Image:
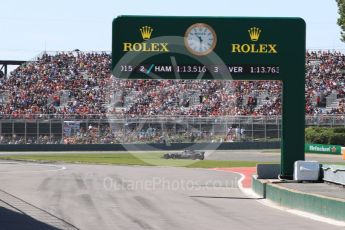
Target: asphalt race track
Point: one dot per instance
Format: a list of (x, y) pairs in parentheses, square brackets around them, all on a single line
[(129, 197), (265, 156)]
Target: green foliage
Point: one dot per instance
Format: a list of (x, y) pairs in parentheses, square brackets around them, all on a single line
[(322, 135), (337, 139), (341, 19), (339, 130)]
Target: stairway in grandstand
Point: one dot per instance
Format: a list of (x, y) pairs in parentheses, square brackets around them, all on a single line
[(64, 97), (333, 105), (131, 98), (192, 96), (332, 102), (4, 97), (260, 95)]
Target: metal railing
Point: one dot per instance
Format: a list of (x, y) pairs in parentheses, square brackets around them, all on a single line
[(315, 120), (102, 129), (154, 129)]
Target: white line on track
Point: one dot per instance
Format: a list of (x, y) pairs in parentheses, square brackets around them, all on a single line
[(57, 167)]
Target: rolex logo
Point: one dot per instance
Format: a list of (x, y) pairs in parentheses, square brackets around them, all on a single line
[(254, 33), (146, 46), (259, 48), (146, 32)]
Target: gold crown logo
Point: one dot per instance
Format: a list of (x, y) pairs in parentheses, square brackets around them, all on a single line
[(146, 32), (254, 33)]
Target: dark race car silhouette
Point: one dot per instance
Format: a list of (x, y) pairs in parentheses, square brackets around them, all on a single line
[(185, 154)]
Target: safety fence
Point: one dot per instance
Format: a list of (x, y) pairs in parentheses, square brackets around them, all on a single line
[(102, 129)]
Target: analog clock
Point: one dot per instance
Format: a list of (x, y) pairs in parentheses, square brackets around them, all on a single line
[(200, 39)]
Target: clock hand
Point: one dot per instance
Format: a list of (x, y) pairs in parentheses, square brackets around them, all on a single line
[(200, 39)]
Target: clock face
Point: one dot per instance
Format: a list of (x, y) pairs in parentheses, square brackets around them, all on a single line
[(200, 39)]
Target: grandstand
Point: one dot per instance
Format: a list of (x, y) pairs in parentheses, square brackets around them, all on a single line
[(71, 97)]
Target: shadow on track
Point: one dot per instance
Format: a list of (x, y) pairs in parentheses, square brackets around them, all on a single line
[(12, 220)]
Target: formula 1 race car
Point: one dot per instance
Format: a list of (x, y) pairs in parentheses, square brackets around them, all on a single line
[(185, 154)]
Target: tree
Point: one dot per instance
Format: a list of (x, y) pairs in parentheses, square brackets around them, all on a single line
[(341, 19)]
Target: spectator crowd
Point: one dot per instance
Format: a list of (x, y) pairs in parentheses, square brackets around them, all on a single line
[(80, 85)]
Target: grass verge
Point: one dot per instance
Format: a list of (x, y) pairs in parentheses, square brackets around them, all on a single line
[(143, 159)]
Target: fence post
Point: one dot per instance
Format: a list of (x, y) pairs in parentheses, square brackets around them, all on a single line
[(265, 130), (25, 130), (124, 131), (278, 124), (12, 133), (50, 130), (62, 132), (252, 129), (37, 131), (99, 131)]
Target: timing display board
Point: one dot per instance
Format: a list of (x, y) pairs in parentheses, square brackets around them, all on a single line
[(248, 48), (165, 71), (225, 48)]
